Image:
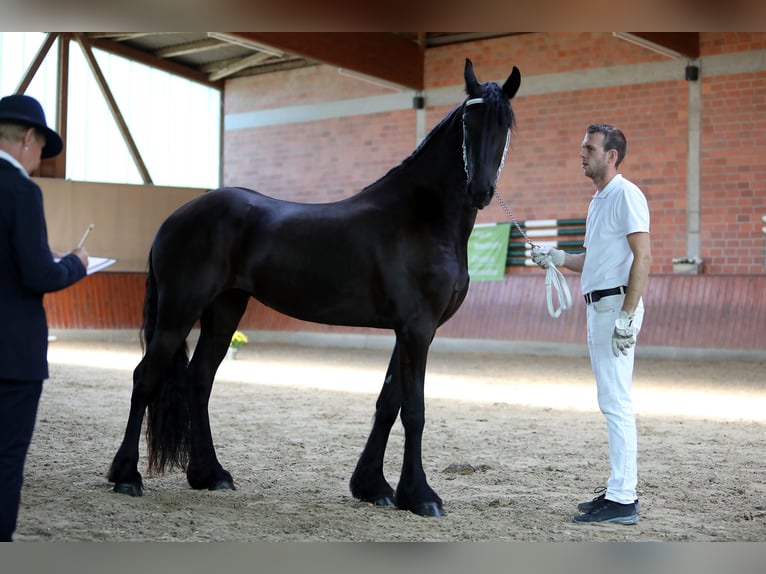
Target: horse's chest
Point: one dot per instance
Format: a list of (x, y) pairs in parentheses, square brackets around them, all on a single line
[(452, 276)]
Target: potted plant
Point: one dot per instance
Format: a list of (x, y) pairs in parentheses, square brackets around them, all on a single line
[(688, 265), (238, 340)]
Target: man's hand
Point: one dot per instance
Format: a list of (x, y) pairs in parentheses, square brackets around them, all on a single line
[(624, 335), (544, 256)]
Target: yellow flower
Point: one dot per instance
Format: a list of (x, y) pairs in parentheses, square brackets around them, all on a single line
[(238, 340)]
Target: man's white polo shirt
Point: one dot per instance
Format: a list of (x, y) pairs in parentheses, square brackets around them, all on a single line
[(614, 213)]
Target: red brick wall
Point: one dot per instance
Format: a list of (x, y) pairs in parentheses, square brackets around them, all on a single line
[(534, 54), (318, 161), (543, 177), (733, 178)]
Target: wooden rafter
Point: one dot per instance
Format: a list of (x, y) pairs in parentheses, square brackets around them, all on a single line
[(154, 61), (385, 56), (36, 63)]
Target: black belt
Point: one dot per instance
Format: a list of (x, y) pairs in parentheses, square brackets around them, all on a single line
[(594, 296)]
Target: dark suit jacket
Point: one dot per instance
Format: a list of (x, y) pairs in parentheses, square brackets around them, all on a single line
[(27, 272)]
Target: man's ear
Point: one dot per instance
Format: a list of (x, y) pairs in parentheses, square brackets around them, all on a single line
[(30, 136)]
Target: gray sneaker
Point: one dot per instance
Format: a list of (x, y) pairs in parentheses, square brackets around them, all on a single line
[(609, 511), (591, 504)]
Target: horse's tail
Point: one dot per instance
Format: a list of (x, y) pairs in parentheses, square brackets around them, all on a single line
[(150, 306), (168, 428)]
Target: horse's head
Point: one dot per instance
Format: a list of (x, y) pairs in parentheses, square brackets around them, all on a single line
[(487, 124)]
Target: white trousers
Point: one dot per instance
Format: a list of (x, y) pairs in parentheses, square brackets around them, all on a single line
[(614, 379)]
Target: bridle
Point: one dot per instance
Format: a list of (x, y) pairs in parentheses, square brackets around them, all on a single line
[(471, 102), (554, 279)]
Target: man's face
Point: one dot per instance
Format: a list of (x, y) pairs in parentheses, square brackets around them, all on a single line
[(593, 156)]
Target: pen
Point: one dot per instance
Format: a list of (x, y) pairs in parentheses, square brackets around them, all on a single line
[(84, 235)]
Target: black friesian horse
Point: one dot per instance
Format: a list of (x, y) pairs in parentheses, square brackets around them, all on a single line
[(393, 256)]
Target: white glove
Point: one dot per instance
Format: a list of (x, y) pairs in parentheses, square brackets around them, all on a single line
[(624, 334), (544, 256)]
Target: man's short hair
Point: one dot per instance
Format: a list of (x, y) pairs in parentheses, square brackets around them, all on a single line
[(613, 139)]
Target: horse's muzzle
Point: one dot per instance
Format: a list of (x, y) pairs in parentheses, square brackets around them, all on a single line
[(480, 200)]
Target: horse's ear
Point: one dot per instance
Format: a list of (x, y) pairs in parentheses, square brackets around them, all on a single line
[(472, 86), (511, 85)]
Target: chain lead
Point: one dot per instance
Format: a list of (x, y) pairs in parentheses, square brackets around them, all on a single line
[(513, 219)]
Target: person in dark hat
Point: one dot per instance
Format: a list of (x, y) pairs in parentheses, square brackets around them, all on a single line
[(28, 270)]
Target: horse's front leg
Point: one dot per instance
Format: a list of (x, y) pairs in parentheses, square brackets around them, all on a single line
[(368, 482), (413, 492)]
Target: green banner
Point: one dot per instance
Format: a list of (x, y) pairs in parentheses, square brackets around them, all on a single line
[(488, 251)]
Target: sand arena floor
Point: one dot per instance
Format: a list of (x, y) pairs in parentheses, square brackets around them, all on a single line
[(512, 443)]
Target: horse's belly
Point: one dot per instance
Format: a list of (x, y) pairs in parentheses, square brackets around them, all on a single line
[(312, 303)]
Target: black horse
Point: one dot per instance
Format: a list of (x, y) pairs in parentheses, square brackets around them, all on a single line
[(393, 256)]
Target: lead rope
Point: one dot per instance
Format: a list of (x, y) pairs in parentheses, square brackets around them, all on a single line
[(554, 279)]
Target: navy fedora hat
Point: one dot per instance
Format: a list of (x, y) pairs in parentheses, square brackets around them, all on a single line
[(27, 111)]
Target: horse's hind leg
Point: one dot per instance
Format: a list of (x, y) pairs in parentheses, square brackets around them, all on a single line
[(217, 325), (146, 377), (368, 482), (124, 470)]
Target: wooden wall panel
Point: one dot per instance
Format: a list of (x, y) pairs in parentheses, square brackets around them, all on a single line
[(100, 301), (686, 311)]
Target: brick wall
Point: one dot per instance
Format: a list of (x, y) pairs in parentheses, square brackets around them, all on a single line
[(733, 179), (318, 161)]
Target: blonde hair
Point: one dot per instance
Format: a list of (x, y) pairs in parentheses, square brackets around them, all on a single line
[(12, 132)]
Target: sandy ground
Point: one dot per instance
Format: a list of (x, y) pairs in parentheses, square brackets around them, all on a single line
[(512, 444)]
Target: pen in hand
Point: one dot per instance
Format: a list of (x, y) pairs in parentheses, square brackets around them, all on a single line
[(85, 235)]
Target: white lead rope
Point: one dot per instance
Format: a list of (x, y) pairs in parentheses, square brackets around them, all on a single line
[(554, 279)]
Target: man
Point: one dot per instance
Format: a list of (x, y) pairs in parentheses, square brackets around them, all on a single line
[(27, 271), (615, 268)]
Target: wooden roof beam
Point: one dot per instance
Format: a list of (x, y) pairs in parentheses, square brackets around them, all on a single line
[(383, 56), (148, 59), (672, 44)]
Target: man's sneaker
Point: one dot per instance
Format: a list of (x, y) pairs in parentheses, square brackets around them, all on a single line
[(609, 511), (591, 504)]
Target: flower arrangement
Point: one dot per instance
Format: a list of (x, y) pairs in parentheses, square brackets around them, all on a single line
[(238, 340)]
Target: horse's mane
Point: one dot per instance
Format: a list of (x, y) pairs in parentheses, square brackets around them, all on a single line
[(499, 110)]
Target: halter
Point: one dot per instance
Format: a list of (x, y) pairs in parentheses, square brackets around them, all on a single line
[(471, 102)]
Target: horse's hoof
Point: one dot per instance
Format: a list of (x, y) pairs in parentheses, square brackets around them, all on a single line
[(385, 501), (223, 485), (127, 488), (430, 509)]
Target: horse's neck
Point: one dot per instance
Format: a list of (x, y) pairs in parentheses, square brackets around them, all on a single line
[(436, 167), (440, 155), (432, 179)]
